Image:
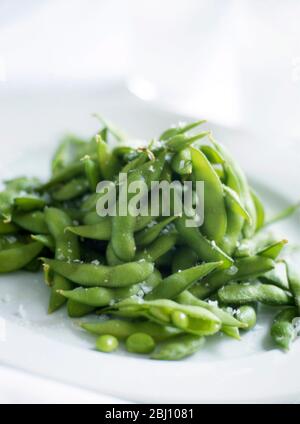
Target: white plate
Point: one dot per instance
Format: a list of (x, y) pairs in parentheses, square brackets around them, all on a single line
[(53, 346)]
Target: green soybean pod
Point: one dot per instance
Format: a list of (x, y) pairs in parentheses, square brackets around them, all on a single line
[(247, 315), (235, 221), (178, 347), (123, 226), (73, 170), (230, 331), (212, 155), (206, 250), (29, 203), (184, 258), (182, 141), (158, 248), (283, 330), (198, 320), (260, 210), (78, 310), (95, 275), (149, 234), (111, 258), (274, 250), (249, 228), (99, 296), (251, 246), (176, 283), (140, 343), (180, 129), (99, 231), (182, 162), (56, 299), (243, 293), (108, 162), (242, 269), (45, 239), (135, 163), (123, 329), (234, 203), (110, 128), (166, 174), (18, 257), (72, 189), (294, 282), (227, 319), (215, 222), (7, 227), (92, 172), (34, 222), (277, 276), (66, 248)]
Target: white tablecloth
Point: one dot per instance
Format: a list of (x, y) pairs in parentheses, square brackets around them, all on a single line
[(17, 387)]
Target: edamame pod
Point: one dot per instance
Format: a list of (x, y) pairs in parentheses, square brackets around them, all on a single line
[(243, 293), (274, 250), (294, 282), (283, 330), (34, 222), (7, 227), (18, 257), (100, 296), (215, 222), (158, 248), (178, 347), (180, 129), (182, 141), (74, 188), (29, 203), (182, 162), (108, 162), (78, 310), (66, 248), (277, 276), (149, 234), (206, 250), (242, 269), (247, 315), (184, 258), (227, 319), (176, 283), (123, 329), (93, 275), (196, 320)]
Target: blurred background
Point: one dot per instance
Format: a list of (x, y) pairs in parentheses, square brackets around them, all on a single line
[(236, 62)]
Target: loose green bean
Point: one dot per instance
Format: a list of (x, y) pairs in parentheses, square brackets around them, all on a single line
[(140, 343)]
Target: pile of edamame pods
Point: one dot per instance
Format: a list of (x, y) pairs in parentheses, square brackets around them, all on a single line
[(151, 282)]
